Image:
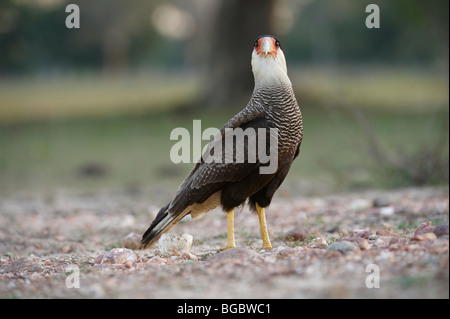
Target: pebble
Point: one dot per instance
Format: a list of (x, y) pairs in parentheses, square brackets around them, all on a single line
[(364, 244), (361, 233), (426, 236), (287, 251), (360, 204), (131, 241), (381, 242), (188, 256), (157, 260), (343, 247), (424, 228), (117, 256), (298, 233), (68, 248), (36, 268), (279, 249), (318, 242), (441, 230), (381, 202), (387, 211), (171, 244), (384, 232)]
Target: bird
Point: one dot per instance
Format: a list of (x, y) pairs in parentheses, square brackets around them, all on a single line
[(211, 184)]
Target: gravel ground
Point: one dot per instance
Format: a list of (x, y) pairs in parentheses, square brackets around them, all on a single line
[(375, 244)]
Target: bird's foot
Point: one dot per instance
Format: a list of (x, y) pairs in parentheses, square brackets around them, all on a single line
[(228, 246)]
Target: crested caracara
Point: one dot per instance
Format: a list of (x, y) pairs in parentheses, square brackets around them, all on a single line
[(272, 108)]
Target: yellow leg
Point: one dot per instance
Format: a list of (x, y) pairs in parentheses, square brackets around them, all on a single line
[(230, 220), (263, 224)]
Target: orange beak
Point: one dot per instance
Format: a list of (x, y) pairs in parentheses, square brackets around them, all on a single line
[(266, 46)]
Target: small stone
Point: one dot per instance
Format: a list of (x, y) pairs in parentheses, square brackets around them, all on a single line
[(279, 249), (318, 242), (381, 241), (441, 230), (174, 245), (381, 202), (131, 241), (343, 232), (116, 256), (189, 256), (36, 268), (387, 211), (68, 249), (298, 233), (364, 244), (343, 247), (426, 236), (414, 247), (424, 228), (287, 251), (360, 204), (99, 258), (361, 233), (157, 260), (384, 232)]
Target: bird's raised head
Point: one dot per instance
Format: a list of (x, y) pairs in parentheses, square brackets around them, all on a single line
[(268, 61), (266, 45)]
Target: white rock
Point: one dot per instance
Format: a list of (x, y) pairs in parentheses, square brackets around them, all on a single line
[(174, 245), (360, 203), (280, 249), (387, 211), (117, 256)]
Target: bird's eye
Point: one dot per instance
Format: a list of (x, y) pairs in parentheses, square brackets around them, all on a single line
[(277, 43), (256, 44)]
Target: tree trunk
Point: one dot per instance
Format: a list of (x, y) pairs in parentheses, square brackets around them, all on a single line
[(229, 80)]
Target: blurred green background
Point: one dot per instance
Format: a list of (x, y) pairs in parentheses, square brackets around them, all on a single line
[(92, 108)]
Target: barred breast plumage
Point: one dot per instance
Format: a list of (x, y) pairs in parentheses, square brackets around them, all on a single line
[(282, 111)]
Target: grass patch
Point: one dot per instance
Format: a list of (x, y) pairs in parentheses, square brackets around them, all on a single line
[(134, 150), (90, 95), (391, 89)]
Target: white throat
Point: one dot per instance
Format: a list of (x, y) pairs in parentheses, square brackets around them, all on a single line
[(270, 70)]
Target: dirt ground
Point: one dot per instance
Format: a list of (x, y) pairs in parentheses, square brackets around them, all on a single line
[(377, 244)]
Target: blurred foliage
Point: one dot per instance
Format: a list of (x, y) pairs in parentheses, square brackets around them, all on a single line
[(114, 34), (118, 34), (411, 31)]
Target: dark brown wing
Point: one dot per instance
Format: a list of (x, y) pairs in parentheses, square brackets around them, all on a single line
[(208, 178)]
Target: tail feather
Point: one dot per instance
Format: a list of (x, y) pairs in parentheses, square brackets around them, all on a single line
[(162, 223)]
